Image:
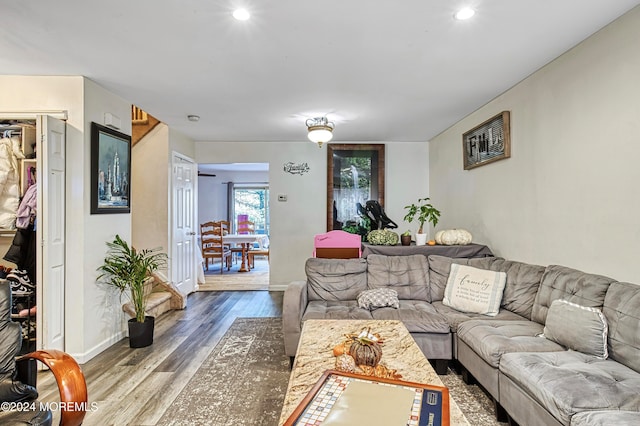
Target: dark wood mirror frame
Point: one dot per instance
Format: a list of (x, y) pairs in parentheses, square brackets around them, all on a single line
[(338, 152)]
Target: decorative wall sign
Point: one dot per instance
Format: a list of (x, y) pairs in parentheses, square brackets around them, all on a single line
[(110, 170), (296, 169), (488, 142)]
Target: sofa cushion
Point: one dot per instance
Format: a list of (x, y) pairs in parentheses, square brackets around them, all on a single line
[(622, 310), (474, 290), (523, 281), (330, 309), (418, 316), (577, 327), (606, 418), (491, 339), (439, 268), (378, 298), (408, 275), (560, 282), (455, 317), (335, 279), (568, 382)]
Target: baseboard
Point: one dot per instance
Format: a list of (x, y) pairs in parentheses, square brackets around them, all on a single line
[(100, 347), (278, 287)]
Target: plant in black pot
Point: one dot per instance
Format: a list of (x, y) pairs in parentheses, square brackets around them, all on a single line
[(127, 269)]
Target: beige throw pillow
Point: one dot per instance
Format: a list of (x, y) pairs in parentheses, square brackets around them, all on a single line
[(474, 290)]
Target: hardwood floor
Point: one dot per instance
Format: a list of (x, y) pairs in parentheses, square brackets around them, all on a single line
[(135, 386)]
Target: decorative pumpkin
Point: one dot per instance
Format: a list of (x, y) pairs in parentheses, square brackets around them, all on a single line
[(366, 349), (383, 237), (340, 349), (346, 363), (450, 237)]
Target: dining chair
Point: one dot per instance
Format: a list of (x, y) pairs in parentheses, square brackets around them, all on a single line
[(337, 244), (212, 243), (244, 227), (262, 250)]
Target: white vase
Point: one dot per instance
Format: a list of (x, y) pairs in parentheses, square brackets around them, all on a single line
[(421, 239)]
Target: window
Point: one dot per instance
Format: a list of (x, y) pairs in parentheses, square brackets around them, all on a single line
[(252, 201)]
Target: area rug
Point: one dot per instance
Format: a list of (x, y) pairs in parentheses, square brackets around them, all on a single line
[(256, 279), (242, 382), (245, 378)]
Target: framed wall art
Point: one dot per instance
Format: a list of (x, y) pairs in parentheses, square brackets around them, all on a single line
[(487, 142), (355, 174), (110, 170)]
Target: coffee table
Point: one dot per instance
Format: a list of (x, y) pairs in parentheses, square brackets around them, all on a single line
[(400, 352)]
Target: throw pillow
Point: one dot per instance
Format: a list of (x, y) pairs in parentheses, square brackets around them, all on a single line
[(378, 298), (474, 290), (577, 327)]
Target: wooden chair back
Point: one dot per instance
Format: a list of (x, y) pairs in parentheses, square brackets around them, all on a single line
[(212, 242), (246, 227)]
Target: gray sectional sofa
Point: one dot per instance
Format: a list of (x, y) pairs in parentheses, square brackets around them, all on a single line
[(541, 357)]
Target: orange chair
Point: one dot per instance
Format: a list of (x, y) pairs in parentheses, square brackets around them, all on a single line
[(337, 245)]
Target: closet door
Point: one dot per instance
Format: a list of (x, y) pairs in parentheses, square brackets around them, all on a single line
[(51, 232)]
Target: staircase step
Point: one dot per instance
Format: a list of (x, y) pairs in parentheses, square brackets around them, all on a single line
[(158, 303)]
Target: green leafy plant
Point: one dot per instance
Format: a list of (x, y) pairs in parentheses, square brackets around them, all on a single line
[(126, 269), (425, 212), (407, 233), (361, 228)]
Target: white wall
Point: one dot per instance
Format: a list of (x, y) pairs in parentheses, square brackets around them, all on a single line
[(90, 326), (150, 190), (569, 193), (303, 215), (212, 192), (101, 307)]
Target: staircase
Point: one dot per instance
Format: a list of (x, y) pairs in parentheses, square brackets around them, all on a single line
[(163, 297), (141, 124)]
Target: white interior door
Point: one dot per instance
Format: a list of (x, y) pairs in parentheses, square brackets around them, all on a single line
[(50, 231), (183, 255)]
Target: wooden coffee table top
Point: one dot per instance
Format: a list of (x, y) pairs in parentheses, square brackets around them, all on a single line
[(400, 352)]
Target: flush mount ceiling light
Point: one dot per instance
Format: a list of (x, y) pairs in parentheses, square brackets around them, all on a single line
[(465, 13), (241, 14), (320, 130), (192, 117)]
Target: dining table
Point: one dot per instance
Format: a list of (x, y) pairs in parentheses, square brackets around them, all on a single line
[(244, 240)]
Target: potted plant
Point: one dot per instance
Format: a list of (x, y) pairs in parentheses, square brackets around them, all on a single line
[(425, 212), (127, 269), (405, 238)]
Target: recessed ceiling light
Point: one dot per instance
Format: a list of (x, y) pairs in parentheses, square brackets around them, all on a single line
[(465, 13), (241, 14)]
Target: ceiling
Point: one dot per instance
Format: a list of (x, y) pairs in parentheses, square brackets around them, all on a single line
[(381, 70)]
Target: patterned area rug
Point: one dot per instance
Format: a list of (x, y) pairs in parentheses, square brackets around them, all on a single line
[(244, 380)]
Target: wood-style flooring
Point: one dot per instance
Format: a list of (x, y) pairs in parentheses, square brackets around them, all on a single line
[(136, 386)]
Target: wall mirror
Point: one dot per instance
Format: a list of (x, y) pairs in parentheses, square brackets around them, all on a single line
[(355, 174)]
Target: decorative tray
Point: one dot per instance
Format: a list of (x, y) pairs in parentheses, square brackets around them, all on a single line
[(340, 398)]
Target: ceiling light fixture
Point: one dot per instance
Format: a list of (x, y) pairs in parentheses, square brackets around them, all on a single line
[(465, 13), (192, 117), (241, 14), (320, 130)]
